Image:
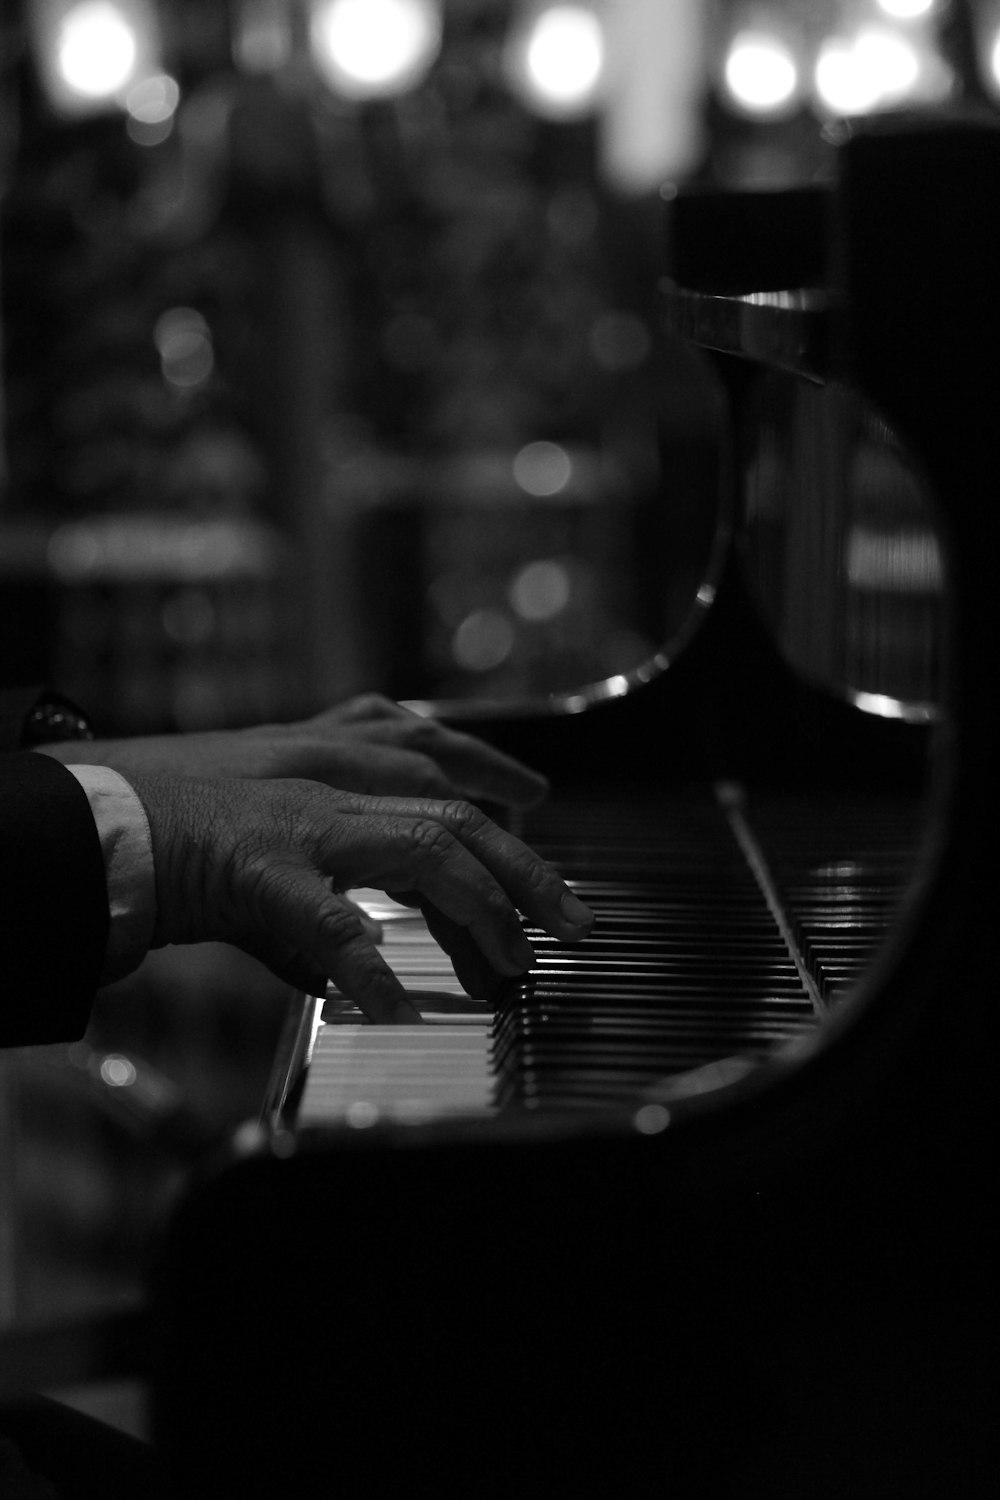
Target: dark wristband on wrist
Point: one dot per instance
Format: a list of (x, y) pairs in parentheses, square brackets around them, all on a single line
[(54, 718)]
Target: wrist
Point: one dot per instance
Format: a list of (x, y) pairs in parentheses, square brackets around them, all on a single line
[(179, 813)]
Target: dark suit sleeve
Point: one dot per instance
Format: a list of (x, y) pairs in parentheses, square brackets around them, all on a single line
[(15, 705), (53, 902)]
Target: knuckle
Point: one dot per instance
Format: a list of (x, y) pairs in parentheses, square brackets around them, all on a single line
[(430, 839), (339, 926), (371, 706), (251, 866), (462, 817), (538, 873)]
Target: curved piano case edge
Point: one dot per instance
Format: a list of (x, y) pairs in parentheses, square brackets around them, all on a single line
[(794, 1260)]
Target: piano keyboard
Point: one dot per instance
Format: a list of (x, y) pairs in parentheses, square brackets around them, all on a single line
[(361, 1073), (717, 936)]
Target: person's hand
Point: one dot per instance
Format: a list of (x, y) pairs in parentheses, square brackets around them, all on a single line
[(367, 744), (264, 865)]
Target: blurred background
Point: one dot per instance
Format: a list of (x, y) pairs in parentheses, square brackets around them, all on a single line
[(331, 363)]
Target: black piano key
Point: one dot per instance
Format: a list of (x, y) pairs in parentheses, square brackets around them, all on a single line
[(691, 958)]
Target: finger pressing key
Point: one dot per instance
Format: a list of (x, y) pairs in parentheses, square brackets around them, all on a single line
[(534, 886), (333, 934), (472, 870)]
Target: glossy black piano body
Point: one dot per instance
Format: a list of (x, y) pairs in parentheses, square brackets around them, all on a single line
[(784, 1286)]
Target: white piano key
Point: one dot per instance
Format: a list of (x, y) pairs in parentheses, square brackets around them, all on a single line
[(397, 1072), (360, 1073)]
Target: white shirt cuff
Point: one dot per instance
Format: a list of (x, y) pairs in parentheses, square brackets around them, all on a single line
[(127, 845)]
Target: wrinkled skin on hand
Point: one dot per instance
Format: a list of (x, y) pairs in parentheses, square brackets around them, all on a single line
[(264, 865), (367, 744)]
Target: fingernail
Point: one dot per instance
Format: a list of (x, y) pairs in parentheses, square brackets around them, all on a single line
[(575, 913)]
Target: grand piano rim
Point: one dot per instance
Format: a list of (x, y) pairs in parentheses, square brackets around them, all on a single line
[(875, 1037)]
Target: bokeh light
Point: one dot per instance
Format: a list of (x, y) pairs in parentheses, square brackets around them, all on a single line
[(483, 641), (995, 60), (184, 343), (760, 73), (540, 590), (91, 54), (906, 10), (96, 50), (117, 1071), (875, 67), (542, 468), (555, 60), (370, 49), (151, 105), (153, 100)]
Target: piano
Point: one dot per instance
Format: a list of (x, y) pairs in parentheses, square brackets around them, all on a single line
[(705, 1204)]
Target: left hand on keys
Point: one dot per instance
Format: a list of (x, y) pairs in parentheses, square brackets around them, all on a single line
[(367, 744)]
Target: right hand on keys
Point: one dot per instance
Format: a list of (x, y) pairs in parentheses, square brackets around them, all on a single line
[(264, 865)]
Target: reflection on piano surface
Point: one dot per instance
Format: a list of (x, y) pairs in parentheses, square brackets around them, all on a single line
[(852, 584), (716, 1217)]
